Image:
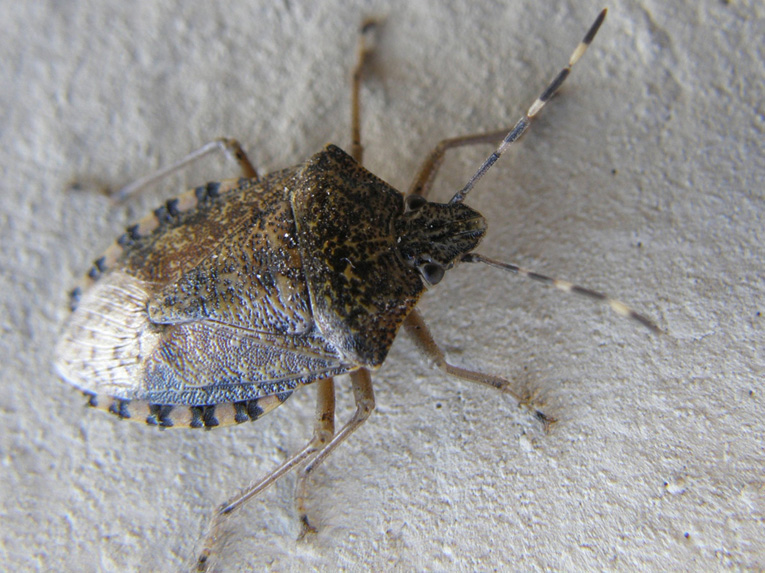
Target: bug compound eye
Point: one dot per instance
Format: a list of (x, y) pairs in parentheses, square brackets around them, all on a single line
[(414, 202), (432, 273)]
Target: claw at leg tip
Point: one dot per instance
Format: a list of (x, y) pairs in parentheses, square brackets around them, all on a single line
[(305, 527), (547, 421)]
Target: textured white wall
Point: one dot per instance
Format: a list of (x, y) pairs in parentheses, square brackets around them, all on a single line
[(644, 179)]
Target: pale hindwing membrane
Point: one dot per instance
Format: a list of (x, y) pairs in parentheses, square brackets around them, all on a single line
[(104, 347)]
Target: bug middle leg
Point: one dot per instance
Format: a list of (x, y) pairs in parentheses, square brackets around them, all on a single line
[(415, 325), (366, 31), (364, 396), (230, 147)]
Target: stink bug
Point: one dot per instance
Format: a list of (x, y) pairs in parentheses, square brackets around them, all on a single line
[(214, 308)]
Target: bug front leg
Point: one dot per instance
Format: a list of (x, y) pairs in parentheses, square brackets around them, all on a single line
[(323, 431), (364, 395), (230, 147), (423, 182), (416, 326)]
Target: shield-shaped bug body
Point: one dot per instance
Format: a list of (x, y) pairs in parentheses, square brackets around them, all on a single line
[(238, 292), (214, 308)]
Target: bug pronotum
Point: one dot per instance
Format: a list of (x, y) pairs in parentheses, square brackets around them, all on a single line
[(215, 307)]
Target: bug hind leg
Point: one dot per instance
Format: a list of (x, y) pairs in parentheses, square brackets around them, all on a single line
[(364, 397), (323, 432), (230, 147)]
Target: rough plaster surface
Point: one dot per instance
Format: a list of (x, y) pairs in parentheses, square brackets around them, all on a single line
[(645, 179)]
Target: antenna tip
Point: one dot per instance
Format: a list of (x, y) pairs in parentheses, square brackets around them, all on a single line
[(595, 27)]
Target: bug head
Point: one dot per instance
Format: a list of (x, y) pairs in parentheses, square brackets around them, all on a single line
[(431, 236)]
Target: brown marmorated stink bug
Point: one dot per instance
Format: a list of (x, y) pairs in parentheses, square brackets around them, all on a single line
[(214, 308)]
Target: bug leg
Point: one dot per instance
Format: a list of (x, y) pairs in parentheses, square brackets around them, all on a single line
[(364, 395), (365, 46), (423, 182), (323, 432), (415, 325), (230, 147)]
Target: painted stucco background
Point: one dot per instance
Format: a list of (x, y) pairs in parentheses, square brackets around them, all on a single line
[(645, 179)]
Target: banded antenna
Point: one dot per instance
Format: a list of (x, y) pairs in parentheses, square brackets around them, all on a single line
[(525, 122)]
